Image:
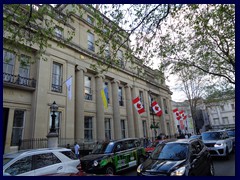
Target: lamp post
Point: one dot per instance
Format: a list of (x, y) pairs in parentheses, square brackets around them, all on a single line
[(53, 108), (53, 135), (153, 126)]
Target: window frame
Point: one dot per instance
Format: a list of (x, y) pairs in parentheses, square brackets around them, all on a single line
[(91, 41), (57, 87), (88, 95), (88, 130), (16, 127)]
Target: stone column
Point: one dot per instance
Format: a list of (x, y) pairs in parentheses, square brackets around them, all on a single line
[(130, 118), (136, 116), (79, 102), (116, 111), (99, 108), (163, 119)]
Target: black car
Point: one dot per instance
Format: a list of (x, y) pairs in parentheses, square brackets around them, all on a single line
[(183, 157), (114, 156)]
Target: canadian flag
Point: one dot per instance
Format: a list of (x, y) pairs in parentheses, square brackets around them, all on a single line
[(156, 108), (177, 114), (182, 115), (138, 105)]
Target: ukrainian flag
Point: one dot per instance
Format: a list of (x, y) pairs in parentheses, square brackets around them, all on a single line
[(104, 94)]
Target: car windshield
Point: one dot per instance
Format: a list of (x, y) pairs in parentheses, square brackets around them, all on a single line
[(172, 151), (6, 160), (103, 148), (231, 133), (212, 136)]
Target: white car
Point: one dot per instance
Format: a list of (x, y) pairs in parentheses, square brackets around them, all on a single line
[(218, 143), (38, 162)]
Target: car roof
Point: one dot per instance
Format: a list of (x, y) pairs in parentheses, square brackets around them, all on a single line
[(33, 151), (125, 139), (183, 141)]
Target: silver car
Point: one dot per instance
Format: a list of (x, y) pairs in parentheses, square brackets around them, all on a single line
[(38, 162)]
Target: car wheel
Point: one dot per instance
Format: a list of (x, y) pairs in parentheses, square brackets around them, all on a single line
[(109, 170), (227, 154), (211, 170)]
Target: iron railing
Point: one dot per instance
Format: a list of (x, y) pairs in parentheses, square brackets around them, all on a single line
[(19, 80)]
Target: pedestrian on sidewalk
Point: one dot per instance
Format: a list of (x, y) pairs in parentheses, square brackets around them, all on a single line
[(77, 149)]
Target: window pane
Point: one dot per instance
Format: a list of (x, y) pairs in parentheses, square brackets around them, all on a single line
[(21, 166), (57, 77), (43, 160), (17, 127)]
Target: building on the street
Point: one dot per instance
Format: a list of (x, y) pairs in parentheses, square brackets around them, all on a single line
[(29, 91), (221, 114), (188, 127)]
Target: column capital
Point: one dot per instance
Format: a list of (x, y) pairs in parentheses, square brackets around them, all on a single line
[(79, 68), (115, 81), (100, 76), (128, 86)]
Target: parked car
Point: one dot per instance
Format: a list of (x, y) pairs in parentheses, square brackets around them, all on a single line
[(183, 157), (114, 156), (231, 134), (218, 143), (195, 137), (37, 162), (149, 149)]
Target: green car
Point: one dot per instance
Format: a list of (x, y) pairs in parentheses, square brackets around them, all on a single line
[(114, 156)]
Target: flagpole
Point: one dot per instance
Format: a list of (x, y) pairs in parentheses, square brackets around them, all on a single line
[(66, 80)]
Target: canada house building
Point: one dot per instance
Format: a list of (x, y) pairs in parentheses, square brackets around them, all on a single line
[(29, 91)]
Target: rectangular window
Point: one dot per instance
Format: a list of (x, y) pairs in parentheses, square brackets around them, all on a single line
[(120, 96), (144, 124), (107, 129), (90, 20), (107, 51), (8, 66), (141, 97), (88, 90), (123, 130), (57, 122), (91, 42), (58, 32), (88, 128), (24, 70), (120, 58), (233, 107), (216, 121), (57, 77), (17, 129), (165, 106), (225, 120), (105, 85), (222, 108)]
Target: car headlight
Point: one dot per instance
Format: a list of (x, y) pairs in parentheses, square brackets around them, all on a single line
[(140, 167), (95, 163), (179, 172), (218, 144)]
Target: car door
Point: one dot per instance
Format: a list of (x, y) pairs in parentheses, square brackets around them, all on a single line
[(196, 160), (46, 164)]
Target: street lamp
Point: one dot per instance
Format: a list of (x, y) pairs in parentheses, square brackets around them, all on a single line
[(152, 125), (53, 108)]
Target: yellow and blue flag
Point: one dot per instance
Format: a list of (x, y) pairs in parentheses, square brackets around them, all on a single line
[(104, 94)]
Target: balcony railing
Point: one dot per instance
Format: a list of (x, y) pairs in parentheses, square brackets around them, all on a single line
[(19, 80)]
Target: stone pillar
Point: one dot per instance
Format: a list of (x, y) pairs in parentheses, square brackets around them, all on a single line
[(136, 116), (163, 119), (116, 111), (52, 140), (100, 109), (79, 103), (130, 118)]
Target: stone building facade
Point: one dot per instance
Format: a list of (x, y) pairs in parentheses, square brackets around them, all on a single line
[(28, 92)]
